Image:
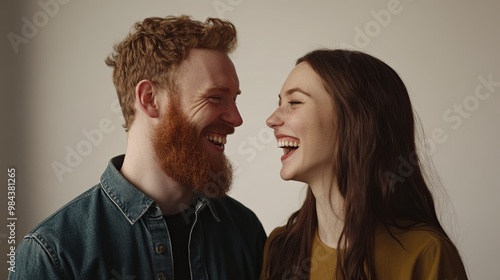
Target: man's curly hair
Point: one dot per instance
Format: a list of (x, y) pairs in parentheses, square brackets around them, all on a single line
[(154, 48)]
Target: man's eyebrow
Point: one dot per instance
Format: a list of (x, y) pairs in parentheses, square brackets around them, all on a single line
[(223, 89)]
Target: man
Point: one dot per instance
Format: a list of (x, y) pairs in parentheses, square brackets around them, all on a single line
[(160, 211)]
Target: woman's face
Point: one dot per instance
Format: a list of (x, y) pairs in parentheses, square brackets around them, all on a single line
[(303, 125)]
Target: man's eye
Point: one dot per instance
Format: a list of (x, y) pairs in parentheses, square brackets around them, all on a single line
[(215, 98), (294, 102)]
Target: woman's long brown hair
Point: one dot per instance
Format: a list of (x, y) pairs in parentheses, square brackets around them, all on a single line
[(378, 170)]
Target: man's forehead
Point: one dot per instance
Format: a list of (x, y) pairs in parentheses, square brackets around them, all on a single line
[(210, 69)]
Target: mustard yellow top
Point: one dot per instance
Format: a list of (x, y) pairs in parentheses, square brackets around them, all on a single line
[(426, 255)]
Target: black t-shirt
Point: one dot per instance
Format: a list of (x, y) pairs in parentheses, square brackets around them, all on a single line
[(179, 227)]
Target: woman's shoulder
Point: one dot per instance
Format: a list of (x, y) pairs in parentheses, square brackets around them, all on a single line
[(415, 239), (417, 250), (418, 235)]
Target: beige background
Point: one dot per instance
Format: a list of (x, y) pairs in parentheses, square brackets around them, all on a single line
[(56, 88)]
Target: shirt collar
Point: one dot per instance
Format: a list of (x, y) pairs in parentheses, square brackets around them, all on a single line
[(132, 202)]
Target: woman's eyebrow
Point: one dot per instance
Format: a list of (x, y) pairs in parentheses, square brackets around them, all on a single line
[(296, 89)]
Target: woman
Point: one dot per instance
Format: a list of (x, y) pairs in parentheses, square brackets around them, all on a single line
[(346, 126)]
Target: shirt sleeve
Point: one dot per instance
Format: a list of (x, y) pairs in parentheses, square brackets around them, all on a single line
[(33, 261), (441, 261)]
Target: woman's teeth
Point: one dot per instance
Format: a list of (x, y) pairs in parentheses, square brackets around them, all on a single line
[(288, 144)]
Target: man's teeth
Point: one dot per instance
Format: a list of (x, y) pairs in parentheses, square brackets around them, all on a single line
[(282, 144), (217, 139)]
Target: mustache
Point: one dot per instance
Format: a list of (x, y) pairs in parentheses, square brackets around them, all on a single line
[(220, 129)]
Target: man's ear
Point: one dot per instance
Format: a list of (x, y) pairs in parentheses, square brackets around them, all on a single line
[(146, 97)]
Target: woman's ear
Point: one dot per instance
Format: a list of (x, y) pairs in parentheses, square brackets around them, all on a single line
[(146, 97)]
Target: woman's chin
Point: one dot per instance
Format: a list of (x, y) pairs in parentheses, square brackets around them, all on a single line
[(286, 175)]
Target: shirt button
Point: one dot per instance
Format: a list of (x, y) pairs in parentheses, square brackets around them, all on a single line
[(160, 249), (161, 276)]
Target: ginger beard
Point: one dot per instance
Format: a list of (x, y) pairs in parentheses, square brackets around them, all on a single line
[(179, 150)]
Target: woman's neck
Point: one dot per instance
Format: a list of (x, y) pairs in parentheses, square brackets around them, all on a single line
[(330, 212)]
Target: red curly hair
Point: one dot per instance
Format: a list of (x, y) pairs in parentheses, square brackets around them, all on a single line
[(154, 48)]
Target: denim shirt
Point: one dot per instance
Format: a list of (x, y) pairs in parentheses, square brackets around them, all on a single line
[(114, 231)]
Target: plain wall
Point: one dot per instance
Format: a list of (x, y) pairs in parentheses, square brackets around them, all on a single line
[(57, 89)]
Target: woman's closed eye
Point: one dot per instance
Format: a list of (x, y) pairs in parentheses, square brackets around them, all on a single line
[(291, 103)]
